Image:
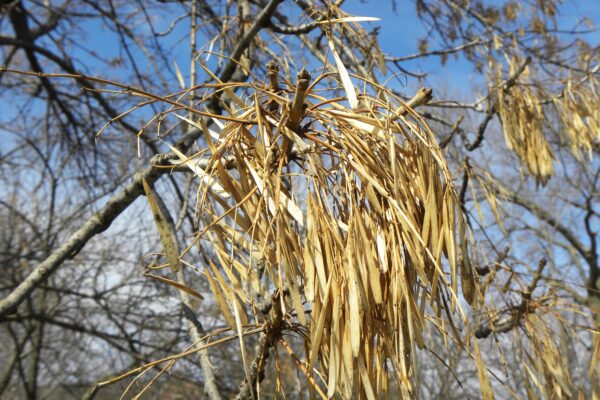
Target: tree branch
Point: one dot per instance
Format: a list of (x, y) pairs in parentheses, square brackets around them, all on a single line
[(542, 214), (513, 315), (98, 223), (116, 205), (261, 21), (163, 217), (270, 335)]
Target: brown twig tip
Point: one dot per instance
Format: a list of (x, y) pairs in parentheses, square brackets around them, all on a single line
[(422, 97), (272, 67), (425, 93), (273, 75), (303, 78), (297, 109)]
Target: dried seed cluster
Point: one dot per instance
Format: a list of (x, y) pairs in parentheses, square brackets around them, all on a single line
[(358, 226)]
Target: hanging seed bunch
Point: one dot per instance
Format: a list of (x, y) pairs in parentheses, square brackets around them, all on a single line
[(523, 121), (340, 224), (527, 114), (547, 367), (579, 112)]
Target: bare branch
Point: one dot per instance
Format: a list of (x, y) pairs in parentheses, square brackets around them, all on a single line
[(507, 320)]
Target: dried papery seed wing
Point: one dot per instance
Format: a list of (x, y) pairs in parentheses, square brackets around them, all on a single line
[(297, 302), (382, 250), (180, 79), (202, 127), (347, 371), (354, 308), (223, 306), (335, 337), (176, 285), (346, 81), (203, 175), (226, 262), (288, 204), (531, 393), (164, 225), (239, 329), (485, 386), (365, 379), (372, 126), (372, 271), (318, 327)]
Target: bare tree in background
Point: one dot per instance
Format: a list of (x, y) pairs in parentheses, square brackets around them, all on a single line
[(234, 199)]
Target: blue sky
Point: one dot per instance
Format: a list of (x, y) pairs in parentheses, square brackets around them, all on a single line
[(399, 35), (401, 32)]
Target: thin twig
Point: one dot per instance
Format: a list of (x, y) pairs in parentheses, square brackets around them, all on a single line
[(514, 314)]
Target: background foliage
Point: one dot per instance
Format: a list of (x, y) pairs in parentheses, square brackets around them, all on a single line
[(259, 199)]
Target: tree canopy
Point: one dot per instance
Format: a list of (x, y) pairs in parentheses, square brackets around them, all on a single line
[(259, 199)]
